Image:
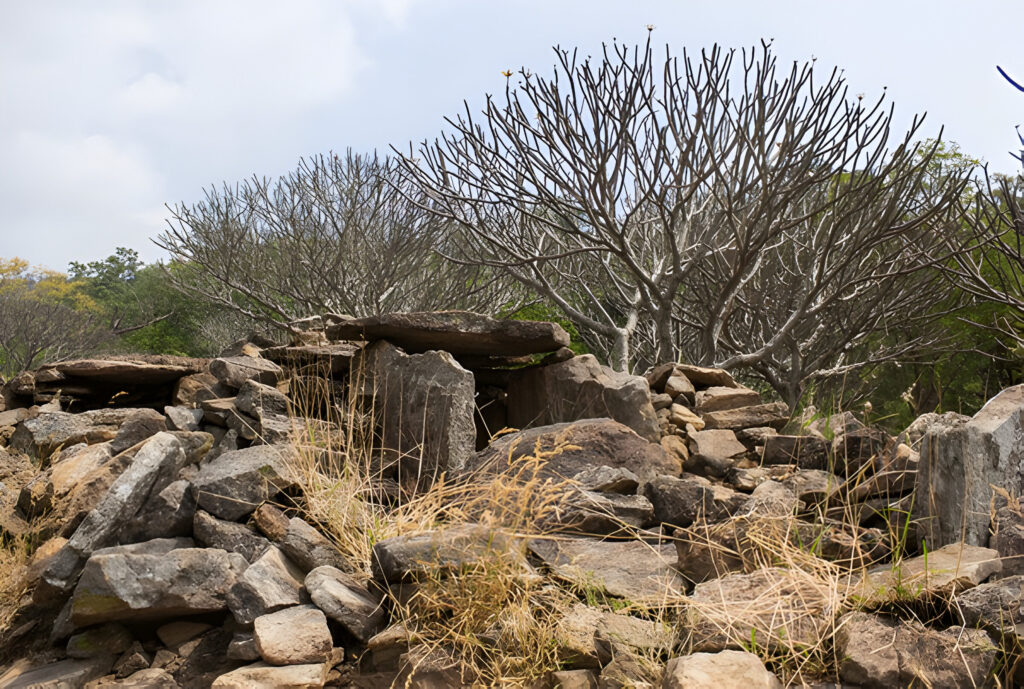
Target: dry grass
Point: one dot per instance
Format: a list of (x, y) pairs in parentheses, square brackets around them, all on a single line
[(14, 557)]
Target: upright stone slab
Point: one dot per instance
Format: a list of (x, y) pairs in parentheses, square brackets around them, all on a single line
[(961, 461), (424, 405), (581, 388)]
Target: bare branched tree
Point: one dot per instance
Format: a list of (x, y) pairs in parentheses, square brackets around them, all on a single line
[(716, 208), (338, 234), (34, 331)]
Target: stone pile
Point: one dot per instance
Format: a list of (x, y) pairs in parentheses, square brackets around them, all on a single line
[(169, 550)]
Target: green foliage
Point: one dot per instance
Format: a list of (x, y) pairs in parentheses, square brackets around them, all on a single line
[(540, 311)]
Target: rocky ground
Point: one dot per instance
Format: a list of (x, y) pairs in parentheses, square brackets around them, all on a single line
[(438, 500)]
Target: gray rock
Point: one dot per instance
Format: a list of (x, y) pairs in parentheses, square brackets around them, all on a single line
[(308, 548), (680, 502), (136, 660), (806, 451), (861, 450), (587, 636), (39, 437), (271, 583), (142, 424), (880, 652), (949, 569), (230, 536), (1008, 534), (155, 466), (606, 479), (257, 399), (580, 388), (425, 405), (960, 461), (104, 640), (192, 390), (404, 557), (722, 670), (679, 385), (235, 483), (721, 398), (183, 418), (233, 371), (66, 674), (633, 570), (714, 452), (243, 647), (996, 605), (293, 636), (592, 513), (457, 332), (773, 414), (120, 584), (346, 601), (167, 514), (570, 448), (263, 676)]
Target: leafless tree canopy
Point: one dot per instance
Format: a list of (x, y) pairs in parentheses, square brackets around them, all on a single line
[(717, 208), (34, 330), (335, 235)]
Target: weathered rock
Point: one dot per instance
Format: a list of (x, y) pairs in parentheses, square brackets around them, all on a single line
[(322, 360), (425, 404), (263, 676), (66, 674), (949, 569), (585, 634), (747, 479), (269, 584), (573, 679), (272, 522), (148, 678), (772, 607), (142, 424), (136, 660), (238, 481), (591, 513), (580, 388), (679, 385), (404, 557), (183, 418), (860, 450), (167, 514), (960, 461), (155, 466), (722, 670), (107, 639), (41, 436), (706, 377), (293, 636), (661, 400), (257, 399), (879, 652), (772, 414), (308, 548), (175, 635), (894, 474), (243, 647), (118, 584), (233, 371), (230, 536), (806, 451), (633, 570), (74, 464), (997, 605), (570, 448), (812, 486), (682, 501), (1008, 533), (606, 479), (714, 452), (346, 601), (722, 398), (136, 370), (192, 390), (682, 417), (456, 332)]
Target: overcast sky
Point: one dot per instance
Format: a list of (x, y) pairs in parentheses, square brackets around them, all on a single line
[(109, 110)]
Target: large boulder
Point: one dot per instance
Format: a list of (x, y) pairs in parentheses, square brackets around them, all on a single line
[(41, 436), (238, 481), (773, 414), (456, 332), (153, 580), (961, 461), (580, 388), (570, 448), (401, 558), (424, 405)]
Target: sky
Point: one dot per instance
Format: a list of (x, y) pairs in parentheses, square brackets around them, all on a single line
[(110, 109)]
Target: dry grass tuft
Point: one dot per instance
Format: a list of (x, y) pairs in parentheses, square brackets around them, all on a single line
[(14, 557)]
